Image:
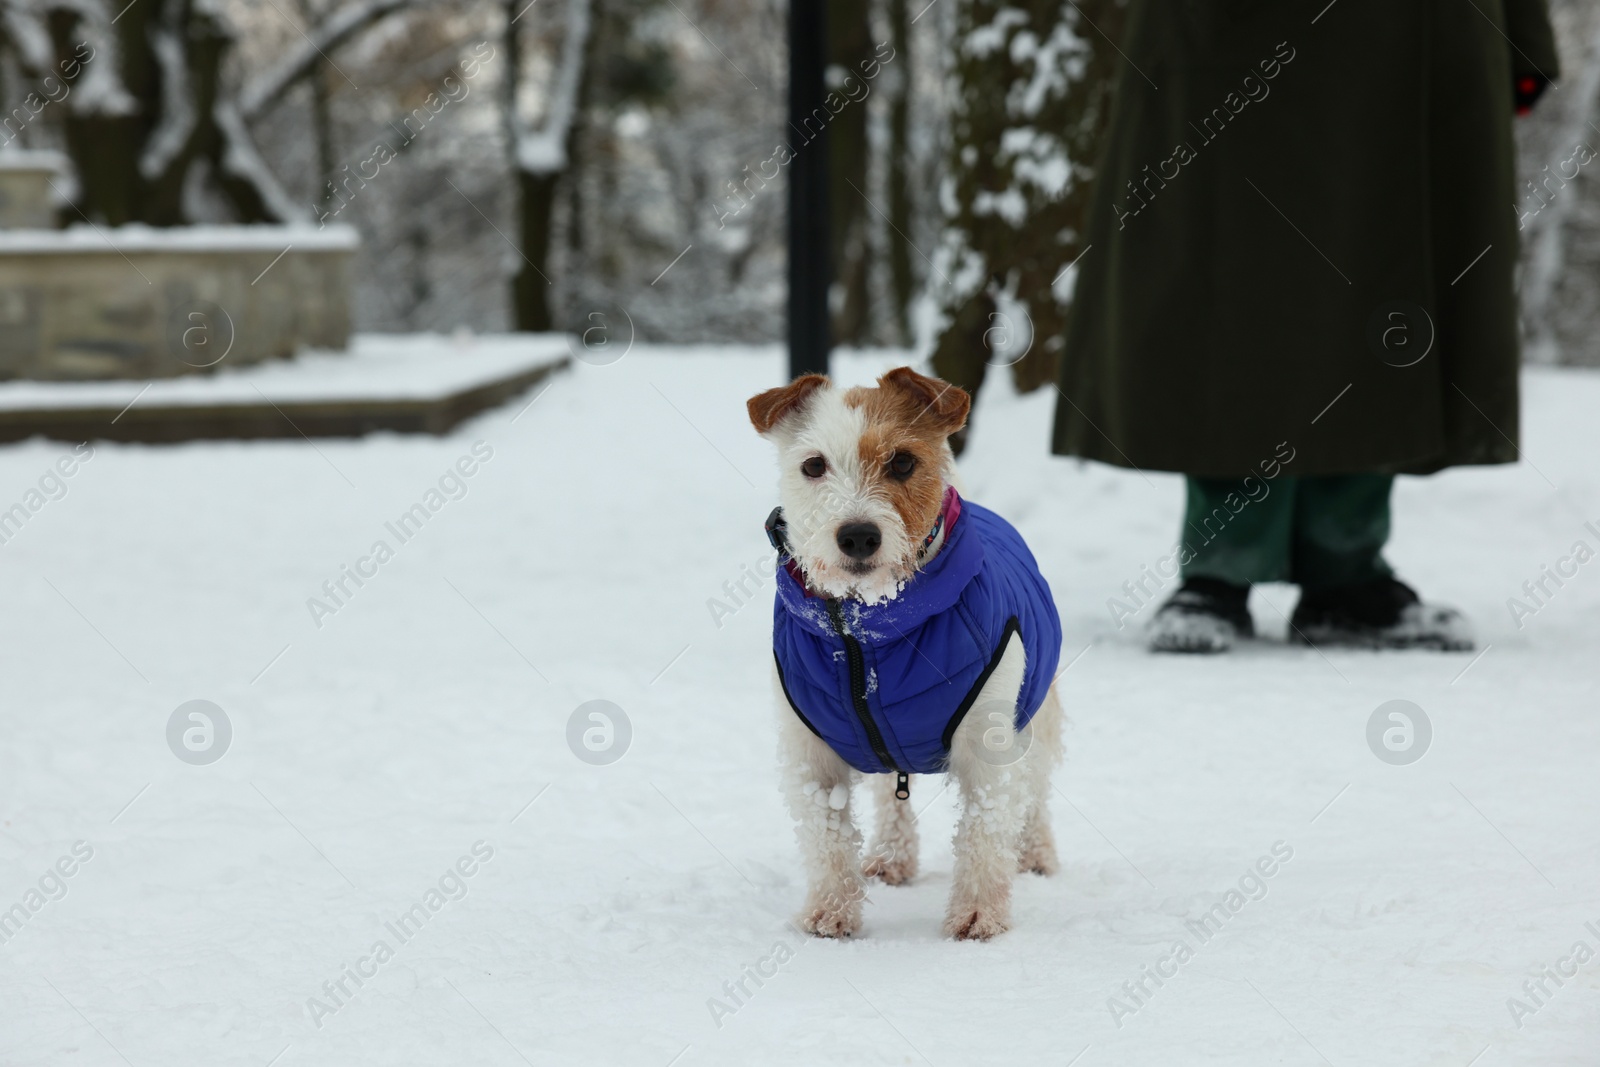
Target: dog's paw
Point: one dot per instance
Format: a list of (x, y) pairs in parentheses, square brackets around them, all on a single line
[(830, 920), (976, 923), (1039, 857), (890, 870)]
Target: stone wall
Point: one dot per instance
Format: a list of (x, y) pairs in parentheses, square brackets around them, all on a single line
[(136, 302)]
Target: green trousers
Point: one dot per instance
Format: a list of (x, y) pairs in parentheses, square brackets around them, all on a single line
[(1319, 533)]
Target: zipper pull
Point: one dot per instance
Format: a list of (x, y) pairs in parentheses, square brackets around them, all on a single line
[(902, 786)]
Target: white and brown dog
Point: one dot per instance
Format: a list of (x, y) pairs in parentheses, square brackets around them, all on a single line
[(913, 634)]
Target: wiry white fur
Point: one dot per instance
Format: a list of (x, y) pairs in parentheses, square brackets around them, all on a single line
[(1036, 852), (1004, 824), (1003, 775), (1004, 779), (815, 508), (892, 856), (812, 778)]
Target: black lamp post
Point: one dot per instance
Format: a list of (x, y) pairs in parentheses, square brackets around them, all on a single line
[(810, 265)]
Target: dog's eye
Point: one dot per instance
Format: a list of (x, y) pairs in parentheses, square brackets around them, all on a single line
[(815, 467), (901, 465)]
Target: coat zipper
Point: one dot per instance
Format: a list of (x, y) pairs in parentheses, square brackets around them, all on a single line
[(858, 684)]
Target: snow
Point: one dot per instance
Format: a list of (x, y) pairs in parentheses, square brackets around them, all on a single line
[(991, 37), (33, 160), (100, 90), (1010, 204), (1061, 60), (608, 905), (1036, 159), (29, 35), (177, 122), (375, 367), (544, 151), (137, 237)]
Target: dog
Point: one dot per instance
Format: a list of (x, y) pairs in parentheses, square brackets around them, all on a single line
[(912, 634)]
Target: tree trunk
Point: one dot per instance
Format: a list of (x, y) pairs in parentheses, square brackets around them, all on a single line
[(321, 121), (105, 148), (123, 178), (544, 159), (959, 355), (1020, 201), (530, 287)]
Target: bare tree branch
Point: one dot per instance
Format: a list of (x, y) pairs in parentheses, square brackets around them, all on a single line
[(323, 39)]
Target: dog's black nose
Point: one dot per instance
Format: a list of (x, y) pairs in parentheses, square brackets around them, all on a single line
[(859, 540)]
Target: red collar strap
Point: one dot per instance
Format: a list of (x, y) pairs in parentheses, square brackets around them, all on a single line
[(949, 511)]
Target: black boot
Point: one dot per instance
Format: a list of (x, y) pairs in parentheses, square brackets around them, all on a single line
[(1382, 613), (1204, 615)]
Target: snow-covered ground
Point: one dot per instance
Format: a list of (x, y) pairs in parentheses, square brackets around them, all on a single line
[(375, 366), (421, 729)]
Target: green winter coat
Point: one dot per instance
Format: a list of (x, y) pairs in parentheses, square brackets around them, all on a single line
[(1303, 204)]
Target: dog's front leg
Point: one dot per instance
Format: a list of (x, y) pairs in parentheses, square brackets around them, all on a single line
[(816, 785), (984, 757)]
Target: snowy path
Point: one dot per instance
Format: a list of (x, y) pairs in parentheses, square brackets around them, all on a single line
[(372, 755)]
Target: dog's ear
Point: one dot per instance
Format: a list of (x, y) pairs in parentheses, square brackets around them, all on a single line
[(938, 402), (769, 408)]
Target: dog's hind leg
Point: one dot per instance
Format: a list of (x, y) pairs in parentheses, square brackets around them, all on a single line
[(1037, 851), (893, 853), (985, 757), (816, 786)]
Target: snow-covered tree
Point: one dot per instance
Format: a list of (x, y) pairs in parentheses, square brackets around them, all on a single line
[(611, 60), (149, 108), (542, 152), (1033, 82), (1558, 217)]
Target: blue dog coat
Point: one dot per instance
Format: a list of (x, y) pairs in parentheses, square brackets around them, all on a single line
[(886, 685)]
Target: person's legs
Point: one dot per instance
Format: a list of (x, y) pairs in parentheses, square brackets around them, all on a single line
[(1235, 533), (1349, 595), (1341, 523), (1239, 532)]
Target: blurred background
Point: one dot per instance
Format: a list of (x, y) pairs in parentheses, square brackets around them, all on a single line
[(433, 205), (518, 164)]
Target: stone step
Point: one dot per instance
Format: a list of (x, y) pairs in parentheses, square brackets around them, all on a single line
[(407, 383)]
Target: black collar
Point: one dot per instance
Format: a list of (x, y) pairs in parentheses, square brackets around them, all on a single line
[(778, 532)]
